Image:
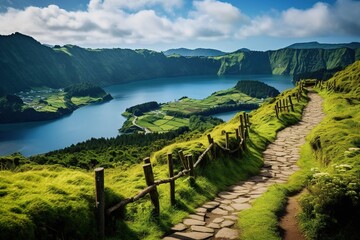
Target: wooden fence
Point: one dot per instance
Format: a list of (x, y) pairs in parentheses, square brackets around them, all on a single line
[(286, 104), (188, 169)]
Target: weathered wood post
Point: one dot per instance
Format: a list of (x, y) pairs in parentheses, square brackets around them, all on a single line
[(237, 134), (211, 141), (100, 201), (172, 183), (248, 126), (154, 195), (191, 167), (284, 105), (245, 120), (248, 120), (291, 104), (276, 111), (287, 105), (227, 140), (241, 127), (183, 160), (280, 105)]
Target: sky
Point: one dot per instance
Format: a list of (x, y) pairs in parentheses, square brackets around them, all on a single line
[(159, 25)]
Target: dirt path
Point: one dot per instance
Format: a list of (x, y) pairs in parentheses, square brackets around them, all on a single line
[(289, 223), (216, 219)]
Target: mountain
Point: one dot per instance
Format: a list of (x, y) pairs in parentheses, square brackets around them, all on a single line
[(25, 63), (198, 52), (313, 45), (286, 61)]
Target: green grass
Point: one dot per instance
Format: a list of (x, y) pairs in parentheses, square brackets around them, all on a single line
[(46, 201), (159, 121), (81, 101), (330, 205), (67, 195)]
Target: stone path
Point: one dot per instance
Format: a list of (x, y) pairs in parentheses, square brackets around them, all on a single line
[(217, 219)]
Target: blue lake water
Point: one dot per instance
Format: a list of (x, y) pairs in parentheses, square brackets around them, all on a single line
[(104, 120)]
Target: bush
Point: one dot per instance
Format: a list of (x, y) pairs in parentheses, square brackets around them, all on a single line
[(333, 204)]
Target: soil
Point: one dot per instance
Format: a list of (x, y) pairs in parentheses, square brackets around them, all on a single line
[(289, 222)]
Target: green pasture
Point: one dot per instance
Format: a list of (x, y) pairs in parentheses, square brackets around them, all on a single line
[(156, 122)]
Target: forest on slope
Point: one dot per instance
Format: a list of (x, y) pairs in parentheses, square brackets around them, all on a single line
[(25, 63)]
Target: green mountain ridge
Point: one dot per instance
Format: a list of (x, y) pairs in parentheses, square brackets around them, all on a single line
[(312, 45), (26, 63)]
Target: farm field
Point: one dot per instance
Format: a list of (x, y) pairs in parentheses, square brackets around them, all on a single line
[(158, 122)]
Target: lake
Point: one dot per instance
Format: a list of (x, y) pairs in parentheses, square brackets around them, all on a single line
[(104, 120)]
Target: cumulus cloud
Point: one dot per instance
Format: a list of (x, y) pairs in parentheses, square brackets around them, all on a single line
[(320, 20), (119, 22)]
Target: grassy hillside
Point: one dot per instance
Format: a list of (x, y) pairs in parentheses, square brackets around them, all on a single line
[(56, 202), (25, 64), (331, 209), (330, 166)]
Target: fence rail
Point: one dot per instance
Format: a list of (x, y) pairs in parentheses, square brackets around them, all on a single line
[(189, 167)]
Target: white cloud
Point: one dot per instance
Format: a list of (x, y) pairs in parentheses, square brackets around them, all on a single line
[(121, 22), (320, 20)]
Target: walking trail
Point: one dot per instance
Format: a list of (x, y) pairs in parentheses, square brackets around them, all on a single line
[(217, 219)]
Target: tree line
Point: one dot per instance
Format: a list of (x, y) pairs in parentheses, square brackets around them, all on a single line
[(256, 89)]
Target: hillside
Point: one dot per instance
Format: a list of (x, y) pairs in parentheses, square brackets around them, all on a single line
[(63, 207), (313, 45), (198, 52), (26, 63)]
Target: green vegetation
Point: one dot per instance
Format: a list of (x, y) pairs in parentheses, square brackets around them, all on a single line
[(329, 170), (10, 103), (53, 194), (257, 89), (123, 150), (322, 74), (172, 115), (45, 103), (331, 209), (139, 109), (26, 64), (84, 90)]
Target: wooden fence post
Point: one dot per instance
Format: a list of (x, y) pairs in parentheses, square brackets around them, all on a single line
[(212, 150), (210, 139), (245, 120), (237, 134), (280, 106), (248, 120), (227, 140), (284, 105), (291, 104), (242, 127), (183, 161), (276, 111), (172, 183), (154, 195), (100, 201), (191, 167)]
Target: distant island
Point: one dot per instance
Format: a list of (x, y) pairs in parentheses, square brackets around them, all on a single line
[(42, 104)]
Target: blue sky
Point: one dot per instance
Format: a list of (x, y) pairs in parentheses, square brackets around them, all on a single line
[(162, 24)]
